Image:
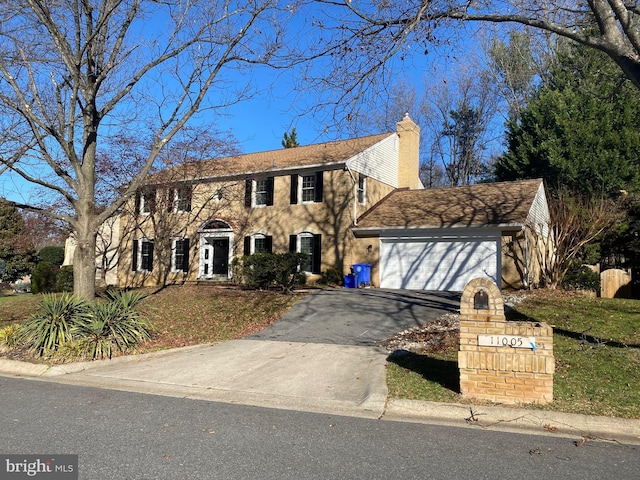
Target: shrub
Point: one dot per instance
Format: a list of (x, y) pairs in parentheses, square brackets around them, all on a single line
[(332, 276), (10, 335), (52, 254), (264, 270), (581, 277), (70, 327), (43, 278), (114, 323), (46, 331), (22, 286), (64, 279)]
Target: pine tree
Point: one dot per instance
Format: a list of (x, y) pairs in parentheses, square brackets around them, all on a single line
[(290, 140)]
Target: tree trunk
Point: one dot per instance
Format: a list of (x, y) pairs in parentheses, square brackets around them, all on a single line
[(84, 265)]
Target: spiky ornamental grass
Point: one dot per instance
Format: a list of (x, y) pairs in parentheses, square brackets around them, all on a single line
[(92, 329), (115, 323), (44, 332)]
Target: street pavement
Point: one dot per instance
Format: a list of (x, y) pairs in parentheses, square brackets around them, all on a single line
[(324, 356)]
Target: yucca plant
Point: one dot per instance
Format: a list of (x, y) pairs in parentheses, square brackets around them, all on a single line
[(46, 331), (113, 324)]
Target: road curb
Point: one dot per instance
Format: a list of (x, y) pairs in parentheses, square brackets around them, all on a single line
[(541, 422)]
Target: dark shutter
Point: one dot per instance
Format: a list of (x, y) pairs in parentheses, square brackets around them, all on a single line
[(247, 245), (152, 200), (172, 199), (316, 255), (294, 190), (318, 187), (187, 191), (185, 255), (293, 243), (150, 266), (137, 202), (270, 182), (268, 243), (248, 184), (134, 256)]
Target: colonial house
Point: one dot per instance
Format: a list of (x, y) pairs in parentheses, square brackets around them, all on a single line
[(345, 202)]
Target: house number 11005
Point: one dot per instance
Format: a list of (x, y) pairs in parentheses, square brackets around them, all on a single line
[(514, 341)]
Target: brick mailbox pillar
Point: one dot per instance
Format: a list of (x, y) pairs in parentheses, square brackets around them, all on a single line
[(500, 361)]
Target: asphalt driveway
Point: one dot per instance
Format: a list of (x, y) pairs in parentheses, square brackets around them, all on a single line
[(360, 317)]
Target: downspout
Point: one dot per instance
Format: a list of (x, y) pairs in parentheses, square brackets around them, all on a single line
[(355, 195), (525, 280)]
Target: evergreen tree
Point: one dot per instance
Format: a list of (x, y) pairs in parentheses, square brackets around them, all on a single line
[(580, 131), (290, 140), (16, 251)]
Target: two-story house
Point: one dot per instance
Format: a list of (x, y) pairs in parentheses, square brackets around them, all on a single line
[(352, 201), (189, 222)]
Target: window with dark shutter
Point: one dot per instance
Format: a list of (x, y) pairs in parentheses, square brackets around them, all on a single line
[(146, 255), (183, 199), (181, 255)]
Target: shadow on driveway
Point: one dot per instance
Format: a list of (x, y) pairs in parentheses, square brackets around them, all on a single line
[(358, 316)]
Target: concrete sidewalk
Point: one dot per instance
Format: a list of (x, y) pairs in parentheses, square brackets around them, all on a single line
[(321, 378), (349, 380)]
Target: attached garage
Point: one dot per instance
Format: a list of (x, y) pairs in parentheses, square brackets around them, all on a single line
[(440, 239), (437, 264)]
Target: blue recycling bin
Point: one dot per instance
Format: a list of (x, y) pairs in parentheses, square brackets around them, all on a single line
[(351, 281), (363, 272)]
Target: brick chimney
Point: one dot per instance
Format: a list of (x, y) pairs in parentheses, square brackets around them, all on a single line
[(408, 153)]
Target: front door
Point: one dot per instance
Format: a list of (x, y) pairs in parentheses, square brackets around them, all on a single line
[(220, 257)]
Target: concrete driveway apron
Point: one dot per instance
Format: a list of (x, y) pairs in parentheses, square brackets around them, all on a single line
[(322, 356)]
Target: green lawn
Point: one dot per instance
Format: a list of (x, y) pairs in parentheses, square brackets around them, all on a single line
[(597, 351)]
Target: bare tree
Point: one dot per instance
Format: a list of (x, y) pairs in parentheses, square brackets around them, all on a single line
[(575, 221), (460, 112), (363, 38), (74, 74)]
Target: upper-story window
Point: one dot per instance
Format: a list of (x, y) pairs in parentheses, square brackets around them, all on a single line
[(362, 189), (306, 188), (146, 200), (259, 192), (182, 198)]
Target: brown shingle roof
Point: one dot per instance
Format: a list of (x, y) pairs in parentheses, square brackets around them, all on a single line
[(501, 203), (270, 161)]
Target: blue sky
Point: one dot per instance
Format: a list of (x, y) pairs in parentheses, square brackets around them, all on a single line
[(260, 122)]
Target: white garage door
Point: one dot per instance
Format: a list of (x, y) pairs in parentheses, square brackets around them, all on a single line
[(436, 265)]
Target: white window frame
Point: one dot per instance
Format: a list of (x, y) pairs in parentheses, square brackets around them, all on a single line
[(302, 189), (361, 189), (256, 192), (305, 235), (178, 200), (145, 206), (141, 242), (255, 237), (174, 244)]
